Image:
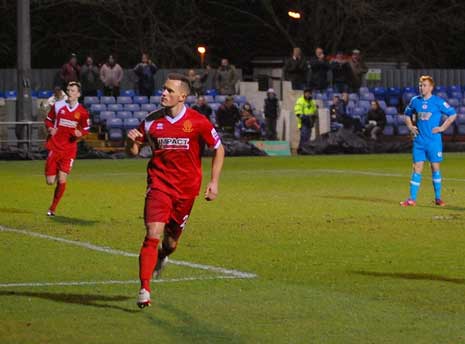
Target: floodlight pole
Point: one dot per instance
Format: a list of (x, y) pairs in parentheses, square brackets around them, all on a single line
[(23, 68)]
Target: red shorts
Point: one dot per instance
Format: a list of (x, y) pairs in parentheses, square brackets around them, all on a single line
[(161, 207), (58, 161)]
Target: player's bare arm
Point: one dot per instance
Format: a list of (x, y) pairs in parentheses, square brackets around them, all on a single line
[(413, 129), (447, 123), (133, 147), (217, 164), (52, 131)]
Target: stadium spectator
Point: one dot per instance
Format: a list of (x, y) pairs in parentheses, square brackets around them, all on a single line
[(340, 71), (337, 113), (89, 78), (271, 111), (175, 134), (319, 70), (111, 75), (145, 71), (201, 106), (376, 121), (69, 71), (197, 81), (227, 116), (58, 94), (295, 69), (66, 122), (226, 78), (248, 119), (357, 70), (306, 111)]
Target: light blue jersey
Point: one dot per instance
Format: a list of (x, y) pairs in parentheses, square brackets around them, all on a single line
[(429, 112)]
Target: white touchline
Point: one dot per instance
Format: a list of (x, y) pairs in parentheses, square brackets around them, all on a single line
[(109, 250), (84, 283)]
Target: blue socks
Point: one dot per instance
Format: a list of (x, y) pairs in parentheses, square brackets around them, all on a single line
[(415, 182), (437, 182)]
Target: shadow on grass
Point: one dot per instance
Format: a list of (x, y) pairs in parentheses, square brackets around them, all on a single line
[(411, 276), (361, 199), (192, 329), (73, 221), (98, 301), (15, 211)]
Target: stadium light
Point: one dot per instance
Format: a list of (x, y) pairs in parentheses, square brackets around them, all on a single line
[(202, 50), (294, 15)]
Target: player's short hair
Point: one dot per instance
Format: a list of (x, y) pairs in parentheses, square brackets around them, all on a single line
[(184, 81), (426, 78), (75, 83)]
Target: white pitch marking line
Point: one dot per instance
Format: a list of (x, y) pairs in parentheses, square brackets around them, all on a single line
[(109, 250), (85, 283)]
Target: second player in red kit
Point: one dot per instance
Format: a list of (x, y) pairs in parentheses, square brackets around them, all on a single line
[(174, 175)]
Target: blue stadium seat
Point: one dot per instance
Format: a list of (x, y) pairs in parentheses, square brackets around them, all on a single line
[(191, 99), (115, 107), (242, 99), (123, 114), (157, 92), (367, 96), (132, 107), (403, 130), (128, 93), (130, 123), (10, 94), (407, 96), (104, 116), (392, 111), (140, 115), (140, 99), (115, 134), (461, 129), (380, 93), (440, 88), (354, 97), (454, 103), (45, 94), (388, 130), (220, 98), (358, 112), (91, 100), (107, 100), (461, 118), (390, 120), (456, 95), (148, 107), (454, 88), (393, 100), (99, 93), (209, 98), (214, 106), (97, 108), (364, 104), (155, 99), (410, 89), (316, 95), (363, 90), (124, 100), (450, 131), (441, 94), (115, 123), (211, 92), (382, 105)]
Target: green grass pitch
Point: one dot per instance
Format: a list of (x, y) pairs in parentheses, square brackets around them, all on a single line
[(337, 259)]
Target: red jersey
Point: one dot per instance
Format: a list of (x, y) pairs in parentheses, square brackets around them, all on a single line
[(175, 166), (66, 120)]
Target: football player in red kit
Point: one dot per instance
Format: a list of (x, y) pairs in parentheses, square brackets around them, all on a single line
[(174, 174), (66, 122)]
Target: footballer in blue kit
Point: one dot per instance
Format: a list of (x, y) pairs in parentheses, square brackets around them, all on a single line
[(423, 117)]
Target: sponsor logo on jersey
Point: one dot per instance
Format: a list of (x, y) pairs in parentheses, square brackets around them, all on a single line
[(159, 126), (67, 123), (424, 106), (424, 116), (173, 143), (187, 126), (446, 105), (215, 134), (77, 115)]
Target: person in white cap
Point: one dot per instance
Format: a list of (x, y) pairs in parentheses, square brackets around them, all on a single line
[(271, 114)]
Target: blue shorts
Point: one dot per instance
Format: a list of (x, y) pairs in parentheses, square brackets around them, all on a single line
[(431, 152)]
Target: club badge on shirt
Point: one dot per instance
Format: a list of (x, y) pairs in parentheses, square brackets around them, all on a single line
[(187, 126)]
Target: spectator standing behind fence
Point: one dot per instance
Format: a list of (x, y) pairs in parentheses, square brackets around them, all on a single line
[(295, 69), (271, 111), (357, 69), (145, 71), (111, 75), (227, 116), (320, 68), (340, 70), (202, 107), (69, 71), (376, 121), (89, 78), (306, 111), (197, 81), (226, 78)]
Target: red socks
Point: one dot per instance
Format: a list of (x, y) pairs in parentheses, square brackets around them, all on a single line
[(59, 191), (147, 261)]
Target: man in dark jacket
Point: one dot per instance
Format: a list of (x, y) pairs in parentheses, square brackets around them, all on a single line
[(271, 109), (70, 71), (295, 69), (320, 68), (89, 78), (145, 71), (227, 115)]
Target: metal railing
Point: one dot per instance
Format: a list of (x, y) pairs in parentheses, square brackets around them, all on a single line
[(26, 129)]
